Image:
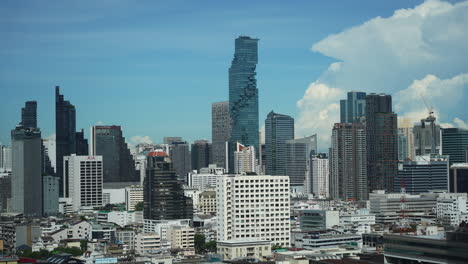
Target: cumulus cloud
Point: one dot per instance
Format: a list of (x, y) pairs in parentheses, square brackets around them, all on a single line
[(99, 123), (416, 51), (135, 140)]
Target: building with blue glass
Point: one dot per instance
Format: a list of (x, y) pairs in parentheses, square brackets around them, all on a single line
[(455, 144), (278, 129), (243, 95), (353, 109)]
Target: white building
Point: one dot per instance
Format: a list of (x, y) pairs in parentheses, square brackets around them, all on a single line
[(79, 230), (205, 179), (320, 175), (121, 218), (357, 219), (451, 208), (5, 158), (113, 196), (161, 227), (133, 196), (83, 181), (147, 243), (244, 159), (234, 249), (253, 207)]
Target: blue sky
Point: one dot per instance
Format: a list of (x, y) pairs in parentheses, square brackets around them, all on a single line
[(155, 67)]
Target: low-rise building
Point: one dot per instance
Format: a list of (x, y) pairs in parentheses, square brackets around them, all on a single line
[(233, 249), (207, 203), (121, 218), (181, 237), (317, 220), (451, 208), (310, 240), (147, 243), (78, 230)]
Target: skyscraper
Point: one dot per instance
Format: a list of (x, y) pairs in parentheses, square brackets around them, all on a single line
[(243, 94), (65, 128), (29, 115), (244, 160), (108, 142), (220, 132), (353, 109), (423, 139), (405, 139), (348, 166), (26, 178), (50, 195), (163, 194), (455, 144), (82, 148), (201, 154), (5, 158), (298, 154), (382, 142), (179, 154), (320, 174), (278, 129)]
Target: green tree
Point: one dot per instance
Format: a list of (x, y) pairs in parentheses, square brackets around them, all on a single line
[(199, 243), (84, 245), (139, 206), (210, 246)]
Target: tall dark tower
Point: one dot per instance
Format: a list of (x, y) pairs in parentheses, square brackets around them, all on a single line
[(278, 129), (201, 154), (164, 197), (382, 142), (243, 96), (65, 127), (81, 144), (29, 114)]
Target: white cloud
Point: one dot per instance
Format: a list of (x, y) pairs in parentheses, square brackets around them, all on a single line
[(420, 50), (99, 123), (135, 140), (460, 123)]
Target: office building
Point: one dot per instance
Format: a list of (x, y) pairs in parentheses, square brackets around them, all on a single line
[(163, 194), (318, 220), (348, 166), (182, 237), (5, 158), (405, 139), (50, 191), (201, 154), (29, 115), (243, 95), (425, 173), (83, 180), (205, 178), (5, 192), (82, 148), (298, 154), (455, 144), (320, 174), (244, 160), (278, 129), (147, 243), (108, 142), (458, 178), (26, 178), (451, 209), (423, 139), (387, 206), (179, 154), (253, 207), (133, 196), (65, 128), (46, 164), (220, 132), (382, 142), (353, 109)]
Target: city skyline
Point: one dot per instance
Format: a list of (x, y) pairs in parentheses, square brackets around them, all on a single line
[(282, 63)]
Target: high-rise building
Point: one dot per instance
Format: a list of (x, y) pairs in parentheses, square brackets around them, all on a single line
[(133, 196), (163, 194), (298, 154), (405, 139), (82, 148), (244, 217), (382, 142), (353, 109), (108, 142), (179, 154), (83, 180), (455, 144), (5, 158), (29, 115), (65, 128), (423, 139), (5, 192), (458, 180), (426, 173), (50, 192), (244, 159), (220, 132), (348, 166), (320, 175), (201, 154), (26, 179), (243, 95), (278, 129), (46, 164)]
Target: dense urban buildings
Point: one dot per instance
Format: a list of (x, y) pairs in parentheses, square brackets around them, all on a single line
[(201, 154), (244, 159), (83, 180), (278, 129), (163, 194), (382, 142), (220, 132), (298, 154), (353, 109), (108, 142), (241, 215), (455, 144), (243, 95), (348, 166), (320, 175), (65, 129)]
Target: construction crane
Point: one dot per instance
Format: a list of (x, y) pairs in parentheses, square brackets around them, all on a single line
[(431, 120)]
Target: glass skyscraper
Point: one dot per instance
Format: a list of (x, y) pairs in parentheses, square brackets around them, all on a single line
[(455, 144), (278, 129), (353, 109), (243, 94)]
